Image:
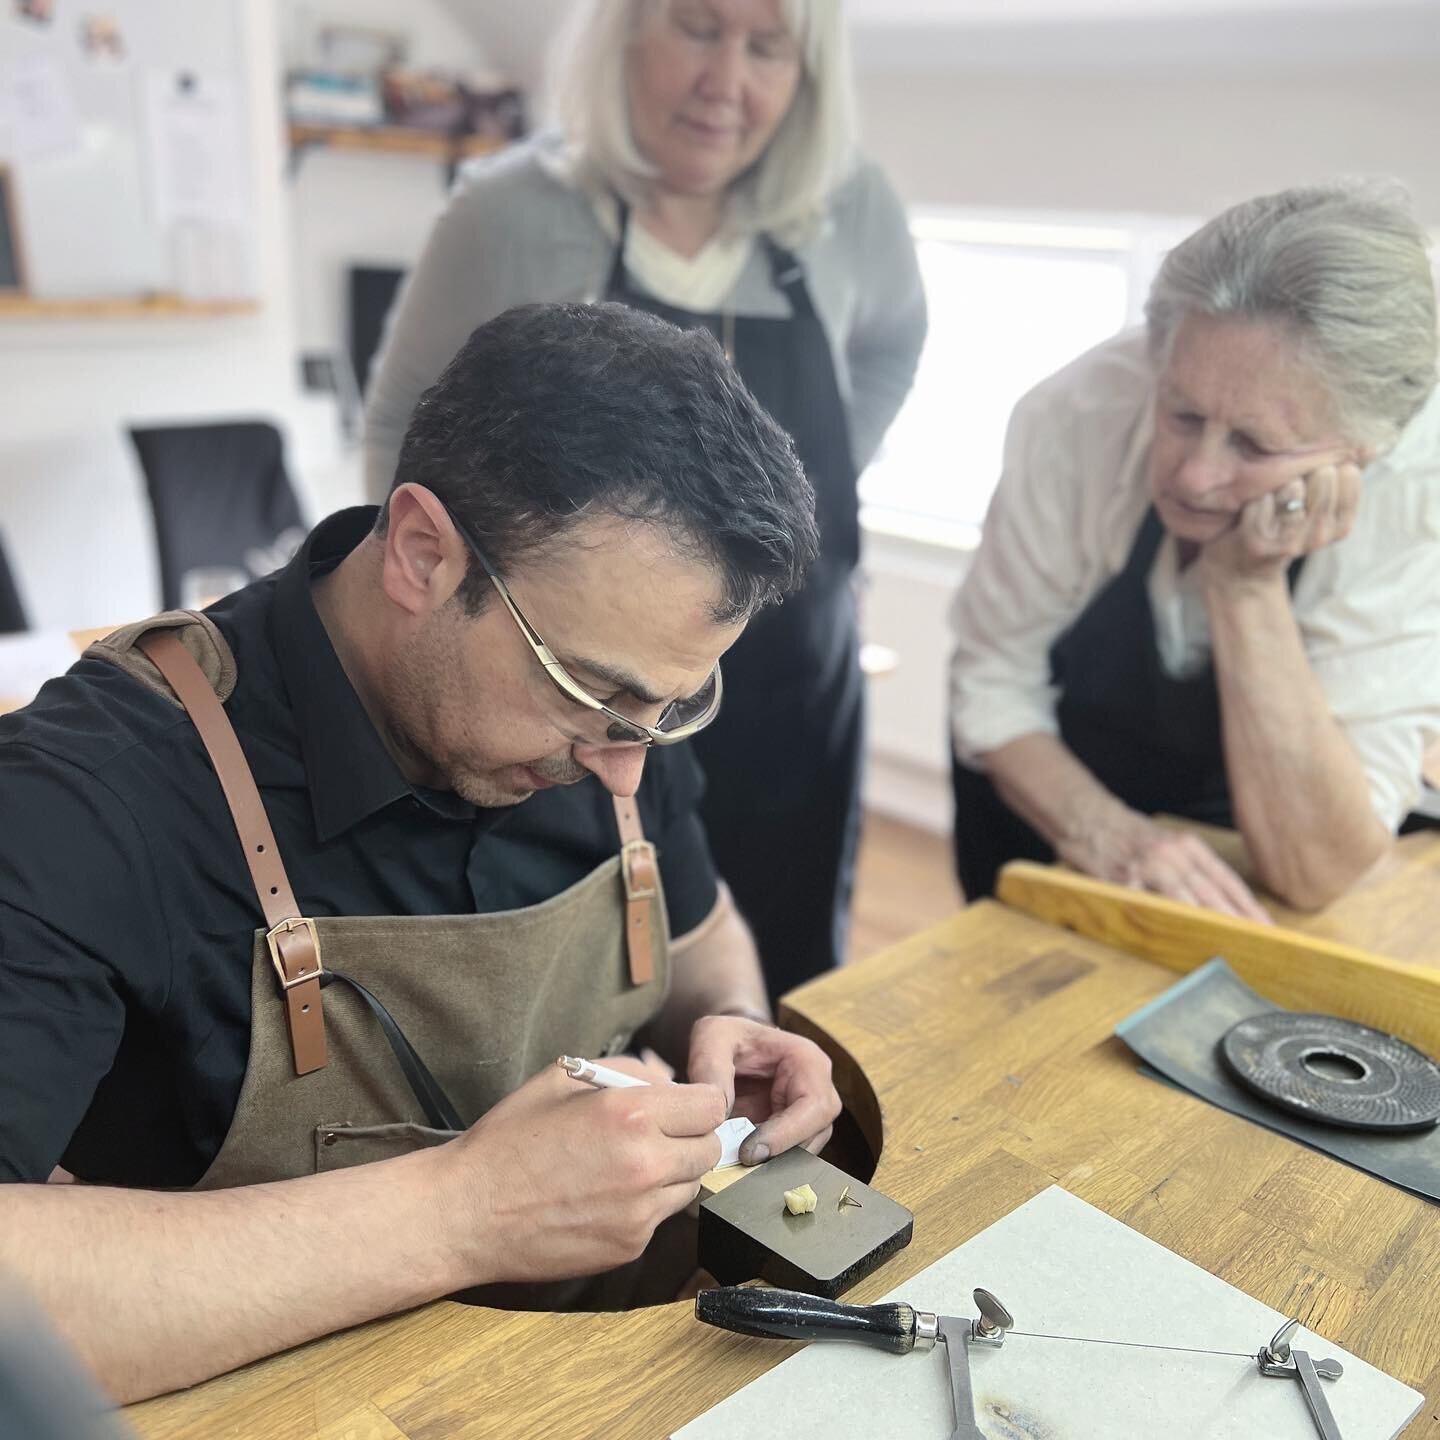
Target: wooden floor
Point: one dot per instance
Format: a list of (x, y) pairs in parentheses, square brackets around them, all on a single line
[(905, 882)]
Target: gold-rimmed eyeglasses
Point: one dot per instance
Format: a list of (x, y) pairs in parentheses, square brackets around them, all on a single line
[(678, 721)]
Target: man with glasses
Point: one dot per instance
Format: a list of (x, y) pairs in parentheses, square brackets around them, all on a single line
[(285, 962)]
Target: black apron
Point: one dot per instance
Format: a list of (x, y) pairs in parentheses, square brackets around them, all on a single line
[(782, 760), (1151, 739)]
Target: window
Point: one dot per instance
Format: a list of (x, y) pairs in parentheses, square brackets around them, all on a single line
[(1011, 301)]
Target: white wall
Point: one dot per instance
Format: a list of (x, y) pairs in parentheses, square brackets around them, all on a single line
[(71, 498), (1173, 141), (70, 492), (1182, 143), (350, 207)]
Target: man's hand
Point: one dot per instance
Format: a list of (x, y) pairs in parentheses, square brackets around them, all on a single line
[(572, 1181), (1132, 849), (1305, 513), (778, 1080)]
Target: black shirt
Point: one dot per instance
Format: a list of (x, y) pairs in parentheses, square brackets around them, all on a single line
[(127, 912)]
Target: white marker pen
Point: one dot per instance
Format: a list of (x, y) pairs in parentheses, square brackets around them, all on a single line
[(600, 1076), (731, 1132)]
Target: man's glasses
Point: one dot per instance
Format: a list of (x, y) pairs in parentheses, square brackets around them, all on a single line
[(678, 721)]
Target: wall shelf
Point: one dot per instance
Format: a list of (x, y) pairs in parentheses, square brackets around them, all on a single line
[(390, 140), (119, 307)]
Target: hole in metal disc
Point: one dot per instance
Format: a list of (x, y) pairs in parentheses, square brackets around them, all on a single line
[(1332, 1065)]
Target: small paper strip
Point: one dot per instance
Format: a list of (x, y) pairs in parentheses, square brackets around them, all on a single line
[(732, 1135)]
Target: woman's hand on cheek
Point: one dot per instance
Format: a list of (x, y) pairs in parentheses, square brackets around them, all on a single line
[(1307, 512)]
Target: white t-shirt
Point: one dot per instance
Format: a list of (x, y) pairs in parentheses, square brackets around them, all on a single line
[(1072, 495)]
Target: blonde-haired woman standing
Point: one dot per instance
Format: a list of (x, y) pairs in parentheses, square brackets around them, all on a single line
[(704, 169)]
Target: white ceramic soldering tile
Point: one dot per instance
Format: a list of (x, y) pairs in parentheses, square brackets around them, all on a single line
[(1065, 1268)]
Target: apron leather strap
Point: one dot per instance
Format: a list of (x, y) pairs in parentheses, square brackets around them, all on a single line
[(294, 944), (440, 1111), (641, 872)]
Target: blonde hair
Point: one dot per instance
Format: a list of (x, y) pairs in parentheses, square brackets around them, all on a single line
[(786, 191)]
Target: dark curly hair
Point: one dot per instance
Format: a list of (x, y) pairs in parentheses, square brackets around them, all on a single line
[(551, 413)]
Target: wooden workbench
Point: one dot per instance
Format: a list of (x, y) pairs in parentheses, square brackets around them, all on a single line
[(1394, 910), (982, 1051), (1382, 932)]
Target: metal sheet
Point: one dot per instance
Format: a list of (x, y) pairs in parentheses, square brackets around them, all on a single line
[(1178, 1035), (746, 1233)]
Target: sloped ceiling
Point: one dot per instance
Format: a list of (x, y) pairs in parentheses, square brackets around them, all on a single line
[(1054, 34)]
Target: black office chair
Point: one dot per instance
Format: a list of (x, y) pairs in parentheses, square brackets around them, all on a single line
[(220, 497), (12, 608)]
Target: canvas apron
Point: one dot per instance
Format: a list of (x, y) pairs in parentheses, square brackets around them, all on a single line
[(783, 758), (481, 1002)]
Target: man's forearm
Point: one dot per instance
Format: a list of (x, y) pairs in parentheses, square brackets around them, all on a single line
[(714, 970), (157, 1290), (1297, 787)]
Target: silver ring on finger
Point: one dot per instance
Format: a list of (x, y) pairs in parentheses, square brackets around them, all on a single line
[(1293, 506)]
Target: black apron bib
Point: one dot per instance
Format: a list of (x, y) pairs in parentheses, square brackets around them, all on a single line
[(1152, 740), (782, 761)]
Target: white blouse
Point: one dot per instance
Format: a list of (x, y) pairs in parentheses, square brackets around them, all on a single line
[(1071, 497)]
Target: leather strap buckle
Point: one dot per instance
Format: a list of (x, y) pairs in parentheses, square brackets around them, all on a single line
[(285, 927), (638, 854), (295, 955), (294, 944), (641, 876)]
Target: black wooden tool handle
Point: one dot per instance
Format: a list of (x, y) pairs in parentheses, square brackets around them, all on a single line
[(791, 1315)]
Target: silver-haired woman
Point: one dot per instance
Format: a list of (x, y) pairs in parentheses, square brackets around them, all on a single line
[(1208, 580), (705, 169)]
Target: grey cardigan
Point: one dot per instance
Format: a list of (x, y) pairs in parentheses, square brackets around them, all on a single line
[(515, 232)]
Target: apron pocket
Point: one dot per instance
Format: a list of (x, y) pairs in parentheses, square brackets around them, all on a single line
[(340, 1144)]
